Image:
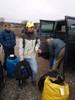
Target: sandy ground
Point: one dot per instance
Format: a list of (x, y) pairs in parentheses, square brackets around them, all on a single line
[(27, 91)]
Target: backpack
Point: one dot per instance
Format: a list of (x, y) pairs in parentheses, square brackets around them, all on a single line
[(53, 73), (22, 71)]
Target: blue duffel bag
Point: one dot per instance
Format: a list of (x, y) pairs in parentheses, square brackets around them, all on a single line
[(11, 62)]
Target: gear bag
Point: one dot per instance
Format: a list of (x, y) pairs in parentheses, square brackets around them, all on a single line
[(11, 62), (53, 73), (53, 91), (23, 70)]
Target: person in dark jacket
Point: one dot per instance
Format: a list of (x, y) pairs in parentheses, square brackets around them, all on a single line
[(8, 41), (57, 51)]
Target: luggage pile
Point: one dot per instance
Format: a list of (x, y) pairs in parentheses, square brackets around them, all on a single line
[(15, 68), (52, 84)]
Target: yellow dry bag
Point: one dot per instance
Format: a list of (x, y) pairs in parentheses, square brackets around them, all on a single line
[(53, 91)]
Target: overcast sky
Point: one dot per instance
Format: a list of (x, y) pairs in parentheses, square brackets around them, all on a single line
[(34, 10)]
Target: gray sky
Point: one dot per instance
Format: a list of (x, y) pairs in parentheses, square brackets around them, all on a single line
[(34, 10)]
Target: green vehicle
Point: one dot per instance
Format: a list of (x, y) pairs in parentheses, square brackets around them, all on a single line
[(63, 29)]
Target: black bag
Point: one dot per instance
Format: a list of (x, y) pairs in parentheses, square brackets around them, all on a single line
[(2, 79), (53, 73), (22, 71)]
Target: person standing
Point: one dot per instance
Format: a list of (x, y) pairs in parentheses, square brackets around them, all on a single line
[(28, 47), (8, 41), (57, 51)]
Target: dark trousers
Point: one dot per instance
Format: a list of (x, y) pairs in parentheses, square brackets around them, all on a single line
[(7, 52)]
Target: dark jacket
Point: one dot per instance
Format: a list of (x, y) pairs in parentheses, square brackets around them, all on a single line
[(55, 46), (7, 39)]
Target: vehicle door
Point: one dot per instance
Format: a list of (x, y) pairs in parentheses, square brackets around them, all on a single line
[(70, 42)]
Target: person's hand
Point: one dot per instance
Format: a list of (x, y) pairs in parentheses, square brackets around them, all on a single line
[(48, 40), (39, 51), (21, 59)]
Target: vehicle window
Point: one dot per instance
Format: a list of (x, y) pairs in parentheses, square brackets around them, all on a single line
[(61, 28), (47, 28), (71, 27)]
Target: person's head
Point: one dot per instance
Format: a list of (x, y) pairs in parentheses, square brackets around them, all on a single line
[(49, 39), (7, 26), (30, 27)]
